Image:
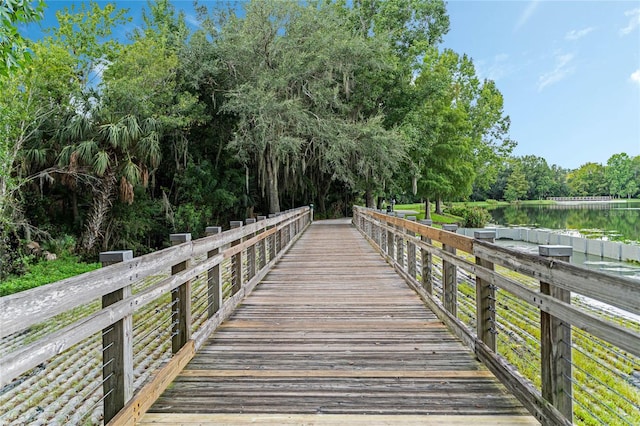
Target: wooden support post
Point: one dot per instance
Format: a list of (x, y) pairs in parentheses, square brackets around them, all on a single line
[(236, 261), (251, 253), (427, 262), (555, 342), (262, 248), (449, 277), (180, 301), (391, 239), (383, 237), (411, 252), (485, 298), (117, 346), (400, 243), (214, 277)]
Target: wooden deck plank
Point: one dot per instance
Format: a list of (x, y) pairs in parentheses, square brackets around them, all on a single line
[(355, 420), (333, 336)]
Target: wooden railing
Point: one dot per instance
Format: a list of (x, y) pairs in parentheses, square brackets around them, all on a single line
[(102, 346), (515, 309)]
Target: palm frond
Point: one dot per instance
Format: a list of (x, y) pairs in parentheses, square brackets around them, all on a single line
[(131, 172), (101, 162)]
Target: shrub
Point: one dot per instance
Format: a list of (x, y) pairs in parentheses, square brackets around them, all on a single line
[(476, 217), (472, 217)]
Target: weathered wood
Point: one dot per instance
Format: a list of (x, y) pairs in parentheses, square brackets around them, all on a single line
[(236, 260), (335, 419), (117, 347), (138, 406), (485, 299), (337, 352), (214, 278), (239, 247), (555, 345), (617, 291), (26, 308), (180, 301), (449, 277), (29, 356), (609, 331), (460, 242), (524, 390), (251, 252), (427, 260), (411, 250)]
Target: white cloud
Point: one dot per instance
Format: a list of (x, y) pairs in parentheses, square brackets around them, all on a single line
[(634, 21), (635, 76), (578, 34), (562, 70), (193, 21), (526, 14), (499, 67)]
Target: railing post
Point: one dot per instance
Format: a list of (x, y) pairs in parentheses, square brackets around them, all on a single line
[(251, 253), (180, 301), (411, 251), (449, 277), (485, 298), (555, 342), (391, 240), (427, 262), (236, 261), (262, 247), (400, 243), (117, 346), (383, 236), (214, 277)]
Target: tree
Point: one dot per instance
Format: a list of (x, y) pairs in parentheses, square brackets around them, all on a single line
[(14, 50), (620, 175), (538, 175), (517, 185), (588, 180)]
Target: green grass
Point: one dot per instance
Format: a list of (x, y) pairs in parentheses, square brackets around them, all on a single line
[(45, 272), (437, 218)]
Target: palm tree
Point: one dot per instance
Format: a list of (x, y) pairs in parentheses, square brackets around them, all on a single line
[(119, 151)]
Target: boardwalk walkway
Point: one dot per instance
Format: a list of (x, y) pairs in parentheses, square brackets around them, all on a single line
[(333, 336)]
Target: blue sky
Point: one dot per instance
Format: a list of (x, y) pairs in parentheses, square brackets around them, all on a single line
[(569, 70)]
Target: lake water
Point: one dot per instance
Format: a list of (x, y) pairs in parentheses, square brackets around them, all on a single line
[(609, 221)]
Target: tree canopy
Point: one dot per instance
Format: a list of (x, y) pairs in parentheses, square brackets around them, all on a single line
[(116, 142)]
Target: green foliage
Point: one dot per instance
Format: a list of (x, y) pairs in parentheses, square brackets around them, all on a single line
[(473, 216), (517, 185), (14, 52), (46, 272)]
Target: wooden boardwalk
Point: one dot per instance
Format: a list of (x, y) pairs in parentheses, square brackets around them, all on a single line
[(333, 336)]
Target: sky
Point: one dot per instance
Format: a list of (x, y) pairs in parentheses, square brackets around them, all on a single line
[(569, 70)]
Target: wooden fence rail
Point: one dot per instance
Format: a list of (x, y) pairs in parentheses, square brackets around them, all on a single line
[(551, 401), (187, 290)]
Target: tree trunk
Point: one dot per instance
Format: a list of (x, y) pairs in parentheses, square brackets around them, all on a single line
[(439, 205), (427, 209), (102, 199), (272, 185), (369, 197)]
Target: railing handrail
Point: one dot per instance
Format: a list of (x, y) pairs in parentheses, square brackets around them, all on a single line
[(21, 310), (557, 280), (264, 241), (618, 291)]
